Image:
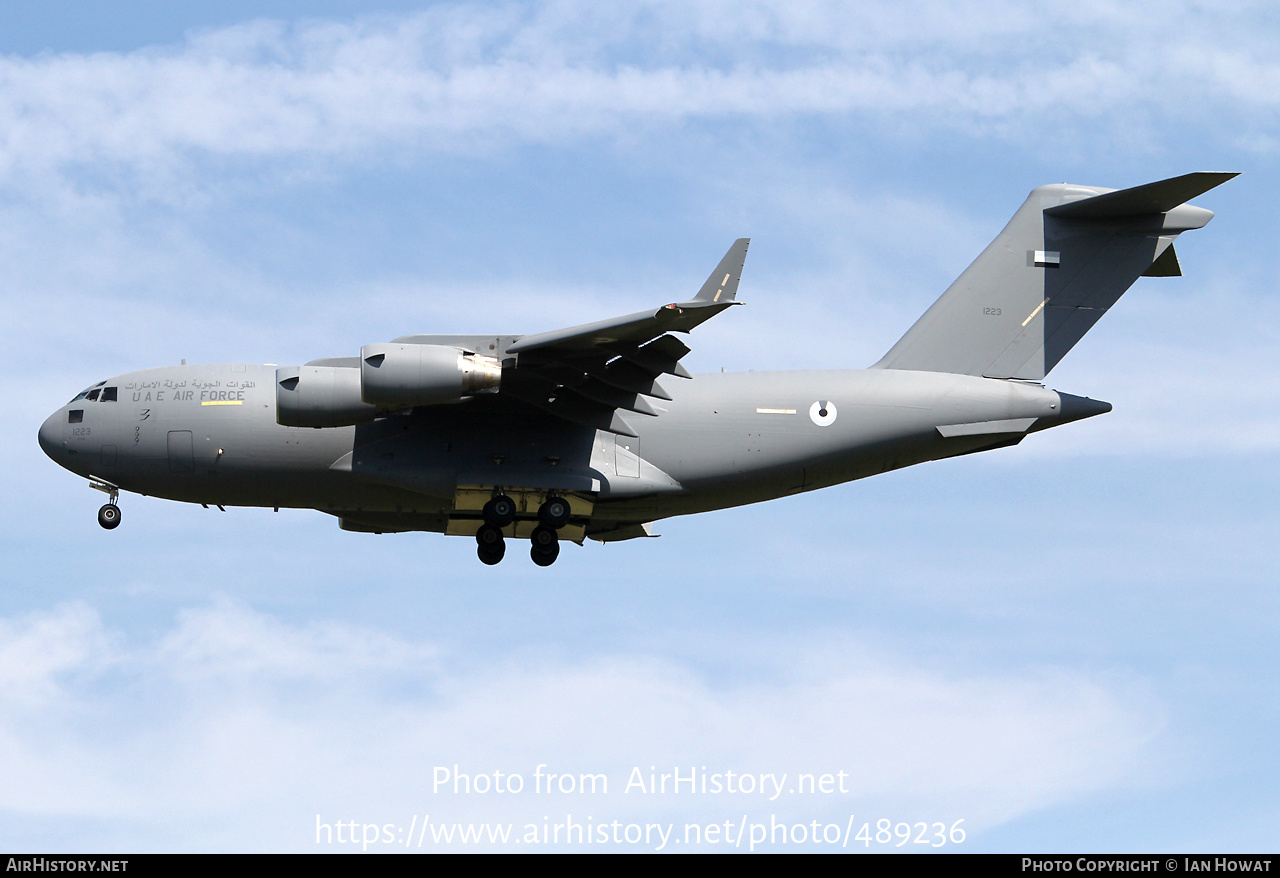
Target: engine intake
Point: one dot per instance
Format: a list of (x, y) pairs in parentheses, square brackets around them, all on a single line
[(320, 396)]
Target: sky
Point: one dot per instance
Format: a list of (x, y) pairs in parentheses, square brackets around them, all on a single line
[(1063, 646)]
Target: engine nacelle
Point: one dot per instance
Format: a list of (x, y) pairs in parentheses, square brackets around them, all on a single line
[(403, 375), (320, 396)]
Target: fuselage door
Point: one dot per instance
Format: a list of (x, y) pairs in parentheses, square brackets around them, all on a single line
[(180, 459)]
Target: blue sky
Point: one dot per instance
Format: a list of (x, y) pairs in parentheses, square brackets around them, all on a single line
[(1069, 645)]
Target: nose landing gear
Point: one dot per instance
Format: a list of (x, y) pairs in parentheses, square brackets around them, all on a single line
[(108, 515)]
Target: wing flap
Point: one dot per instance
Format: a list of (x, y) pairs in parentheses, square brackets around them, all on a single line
[(658, 357), (566, 404), (626, 376), (605, 394)]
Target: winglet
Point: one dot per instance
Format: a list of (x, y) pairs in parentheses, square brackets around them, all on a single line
[(722, 285)]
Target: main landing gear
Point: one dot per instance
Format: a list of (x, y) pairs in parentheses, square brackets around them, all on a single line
[(490, 545), (544, 546), (554, 513), (544, 541)]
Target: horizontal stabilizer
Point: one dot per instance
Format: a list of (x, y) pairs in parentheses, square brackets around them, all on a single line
[(1150, 198)]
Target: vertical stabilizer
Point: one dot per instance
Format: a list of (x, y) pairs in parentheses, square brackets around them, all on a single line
[(1066, 257)]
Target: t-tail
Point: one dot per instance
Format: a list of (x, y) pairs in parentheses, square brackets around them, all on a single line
[(1067, 256)]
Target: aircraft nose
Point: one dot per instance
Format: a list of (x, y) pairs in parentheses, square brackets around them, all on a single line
[(49, 441)]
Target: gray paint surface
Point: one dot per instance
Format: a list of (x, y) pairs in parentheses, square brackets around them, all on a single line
[(964, 378)]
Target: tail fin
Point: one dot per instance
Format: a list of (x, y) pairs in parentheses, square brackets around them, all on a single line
[(1067, 256)]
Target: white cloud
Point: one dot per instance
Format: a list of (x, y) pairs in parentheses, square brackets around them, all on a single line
[(233, 712), (229, 641), (462, 78), (40, 651)]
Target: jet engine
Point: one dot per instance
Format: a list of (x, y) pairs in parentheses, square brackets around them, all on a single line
[(402, 375), (320, 396), (389, 377)]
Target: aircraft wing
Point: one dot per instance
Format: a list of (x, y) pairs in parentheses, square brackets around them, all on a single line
[(586, 374)]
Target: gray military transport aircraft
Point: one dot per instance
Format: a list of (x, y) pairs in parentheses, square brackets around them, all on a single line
[(569, 434)]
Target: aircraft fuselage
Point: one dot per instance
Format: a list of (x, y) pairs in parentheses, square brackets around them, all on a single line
[(209, 434)]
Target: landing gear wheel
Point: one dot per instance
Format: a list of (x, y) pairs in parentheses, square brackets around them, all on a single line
[(544, 546), (543, 538), (490, 555), (500, 511), (545, 557), (490, 545), (554, 513), (109, 516)]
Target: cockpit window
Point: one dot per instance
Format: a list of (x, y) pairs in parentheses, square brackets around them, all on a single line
[(93, 396), (108, 394), (85, 393), (75, 416)]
